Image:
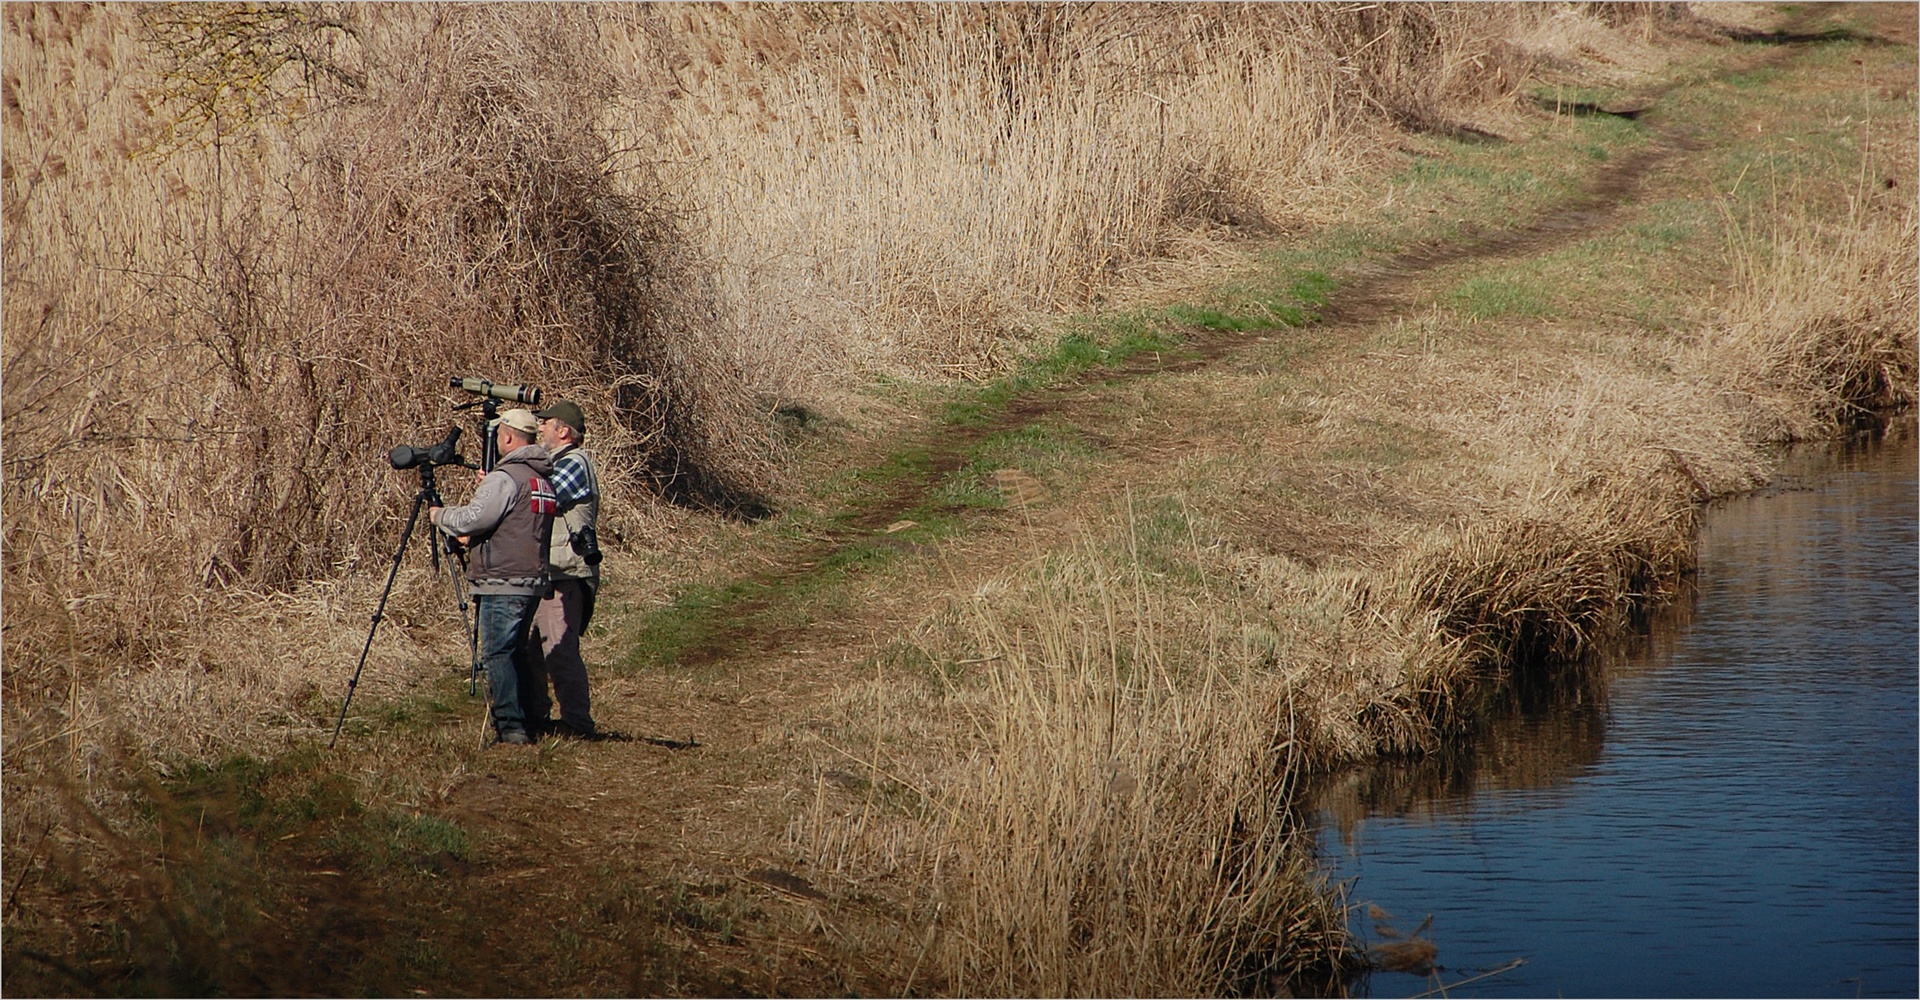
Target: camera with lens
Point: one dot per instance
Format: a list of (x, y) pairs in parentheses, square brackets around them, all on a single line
[(491, 395), (408, 456), (586, 545)]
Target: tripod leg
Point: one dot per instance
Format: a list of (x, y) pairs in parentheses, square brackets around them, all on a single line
[(456, 561), (419, 501), (473, 652), (469, 620)]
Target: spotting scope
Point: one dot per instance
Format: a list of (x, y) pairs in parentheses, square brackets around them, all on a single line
[(511, 393)]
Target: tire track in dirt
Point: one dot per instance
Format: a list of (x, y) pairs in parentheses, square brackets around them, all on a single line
[(1376, 293)]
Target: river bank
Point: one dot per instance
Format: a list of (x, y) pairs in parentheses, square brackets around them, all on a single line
[(1016, 706), (1730, 809)]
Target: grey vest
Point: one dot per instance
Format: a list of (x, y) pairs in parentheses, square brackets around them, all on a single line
[(512, 558)]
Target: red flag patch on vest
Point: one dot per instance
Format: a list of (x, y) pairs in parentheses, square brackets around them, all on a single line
[(540, 498)]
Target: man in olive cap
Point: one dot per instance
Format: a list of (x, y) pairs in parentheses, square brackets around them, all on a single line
[(573, 559), (509, 524)]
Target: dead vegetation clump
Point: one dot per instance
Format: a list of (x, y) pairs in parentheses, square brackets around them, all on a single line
[(1096, 773), (246, 248), (1120, 727), (1820, 327)]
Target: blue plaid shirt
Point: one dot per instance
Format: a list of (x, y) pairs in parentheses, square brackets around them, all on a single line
[(571, 484)]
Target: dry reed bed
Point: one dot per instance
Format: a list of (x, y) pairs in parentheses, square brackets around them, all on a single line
[(245, 245), (245, 248), (890, 186), (227, 292)]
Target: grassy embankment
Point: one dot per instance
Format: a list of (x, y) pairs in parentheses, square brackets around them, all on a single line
[(1348, 539), (1326, 542)]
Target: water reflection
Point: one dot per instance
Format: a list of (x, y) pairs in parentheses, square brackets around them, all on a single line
[(1731, 810), (1536, 751)]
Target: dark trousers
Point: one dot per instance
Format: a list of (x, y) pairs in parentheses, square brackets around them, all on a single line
[(554, 653), (504, 622)]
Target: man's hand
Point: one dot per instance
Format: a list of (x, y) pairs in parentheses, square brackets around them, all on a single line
[(479, 476), (433, 515)]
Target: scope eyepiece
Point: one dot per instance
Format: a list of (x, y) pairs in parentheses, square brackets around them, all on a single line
[(483, 387)]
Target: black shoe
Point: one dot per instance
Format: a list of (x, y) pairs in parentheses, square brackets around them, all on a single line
[(561, 730), (514, 737)]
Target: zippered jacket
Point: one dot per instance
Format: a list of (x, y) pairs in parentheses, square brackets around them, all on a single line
[(509, 524)]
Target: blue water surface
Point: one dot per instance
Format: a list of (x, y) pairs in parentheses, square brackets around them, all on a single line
[(1739, 819)]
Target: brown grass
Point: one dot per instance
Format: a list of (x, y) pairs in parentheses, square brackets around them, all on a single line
[(228, 296), (1820, 330), (1086, 776), (893, 186), (245, 246)]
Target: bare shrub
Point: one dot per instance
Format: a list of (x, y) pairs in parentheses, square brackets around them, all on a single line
[(247, 246)]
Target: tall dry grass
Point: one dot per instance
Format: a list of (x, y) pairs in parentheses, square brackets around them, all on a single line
[(892, 186), (1088, 778), (1090, 783), (246, 244), (1821, 324), (1096, 763), (1123, 825)]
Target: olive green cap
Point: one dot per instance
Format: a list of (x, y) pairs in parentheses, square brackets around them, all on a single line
[(567, 412)]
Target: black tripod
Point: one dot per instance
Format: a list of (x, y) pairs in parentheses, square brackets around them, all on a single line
[(429, 496)]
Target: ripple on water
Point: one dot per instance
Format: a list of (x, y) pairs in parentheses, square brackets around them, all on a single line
[(1742, 820)]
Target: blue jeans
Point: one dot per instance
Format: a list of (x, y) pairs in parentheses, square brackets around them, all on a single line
[(504, 621)]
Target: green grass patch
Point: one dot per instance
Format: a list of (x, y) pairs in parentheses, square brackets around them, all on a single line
[(1499, 295), (389, 840)]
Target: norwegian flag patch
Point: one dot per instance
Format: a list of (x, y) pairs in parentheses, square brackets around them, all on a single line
[(540, 498)]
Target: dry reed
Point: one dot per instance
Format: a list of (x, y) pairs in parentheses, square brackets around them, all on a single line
[(892, 186), (234, 281), (1820, 328), (1106, 812), (245, 244)]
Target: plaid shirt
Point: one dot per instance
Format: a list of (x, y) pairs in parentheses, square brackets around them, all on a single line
[(571, 484)]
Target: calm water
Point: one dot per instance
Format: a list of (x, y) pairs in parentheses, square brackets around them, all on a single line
[(1734, 815)]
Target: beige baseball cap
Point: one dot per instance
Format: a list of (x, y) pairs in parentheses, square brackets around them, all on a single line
[(521, 420)]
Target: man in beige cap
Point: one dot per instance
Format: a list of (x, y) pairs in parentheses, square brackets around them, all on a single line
[(509, 524)]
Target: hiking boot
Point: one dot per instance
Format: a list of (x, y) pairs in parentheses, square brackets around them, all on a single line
[(514, 737)]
